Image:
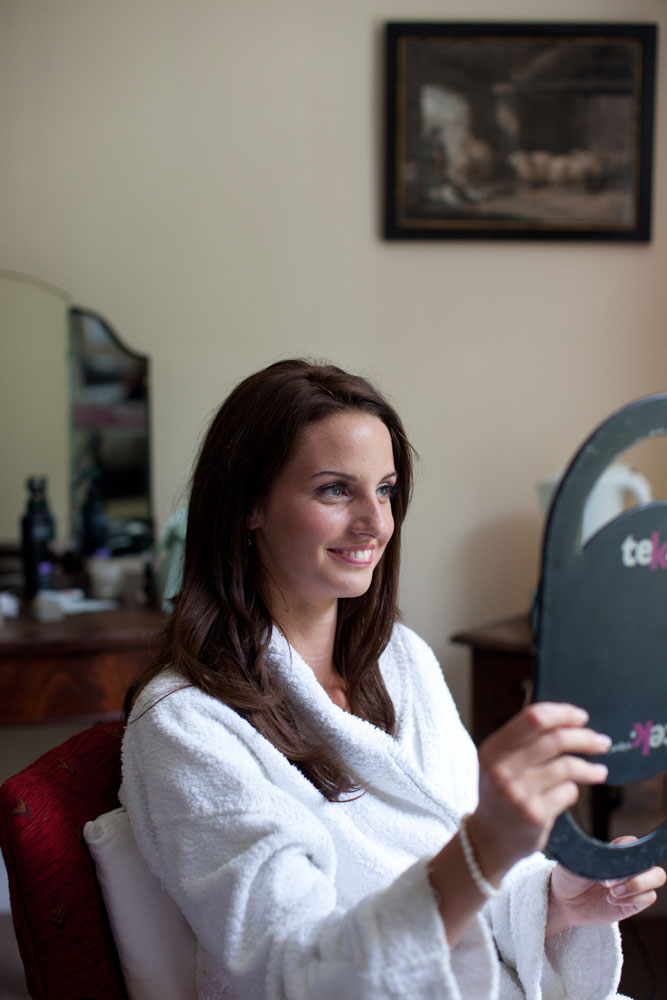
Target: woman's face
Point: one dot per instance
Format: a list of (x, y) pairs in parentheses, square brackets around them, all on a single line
[(326, 522)]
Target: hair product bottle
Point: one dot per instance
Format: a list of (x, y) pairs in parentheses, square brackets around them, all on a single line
[(37, 530)]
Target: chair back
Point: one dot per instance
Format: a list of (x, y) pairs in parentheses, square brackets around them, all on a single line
[(61, 924)]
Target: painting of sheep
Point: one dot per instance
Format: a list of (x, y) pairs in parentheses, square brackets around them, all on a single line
[(529, 131)]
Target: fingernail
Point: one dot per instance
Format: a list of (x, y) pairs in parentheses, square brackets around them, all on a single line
[(603, 741), (602, 770), (618, 890)]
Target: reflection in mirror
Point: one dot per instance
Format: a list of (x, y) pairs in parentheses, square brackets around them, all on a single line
[(110, 454)]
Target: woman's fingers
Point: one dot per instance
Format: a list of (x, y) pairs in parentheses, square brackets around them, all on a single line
[(540, 790), (541, 732), (551, 803), (568, 768), (549, 765), (530, 770), (637, 892), (623, 890), (540, 748), (538, 718), (633, 904), (556, 742), (542, 794)]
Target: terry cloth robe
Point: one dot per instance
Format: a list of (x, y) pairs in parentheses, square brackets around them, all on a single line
[(293, 897)]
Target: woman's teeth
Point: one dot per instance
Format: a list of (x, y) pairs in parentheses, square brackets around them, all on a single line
[(359, 555)]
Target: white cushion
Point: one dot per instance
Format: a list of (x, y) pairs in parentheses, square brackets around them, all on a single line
[(155, 944)]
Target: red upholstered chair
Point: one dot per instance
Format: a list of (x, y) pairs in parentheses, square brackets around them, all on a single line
[(61, 925)]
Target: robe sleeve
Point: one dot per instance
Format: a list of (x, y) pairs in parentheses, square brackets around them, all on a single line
[(581, 962)]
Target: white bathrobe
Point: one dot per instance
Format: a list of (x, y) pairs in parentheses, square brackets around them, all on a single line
[(292, 897)]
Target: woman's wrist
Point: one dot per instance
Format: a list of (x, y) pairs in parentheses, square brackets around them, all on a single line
[(459, 894), (485, 850), (556, 921), (486, 888), (458, 897)]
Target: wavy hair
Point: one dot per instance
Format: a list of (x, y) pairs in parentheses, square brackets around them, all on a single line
[(218, 633)]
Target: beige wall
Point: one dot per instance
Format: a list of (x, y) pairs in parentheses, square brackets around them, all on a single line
[(206, 175)]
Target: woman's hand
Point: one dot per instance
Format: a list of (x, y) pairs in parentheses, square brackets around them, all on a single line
[(575, 901), (530, 770)]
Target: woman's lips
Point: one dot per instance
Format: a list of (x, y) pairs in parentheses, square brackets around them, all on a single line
[(362, 556)]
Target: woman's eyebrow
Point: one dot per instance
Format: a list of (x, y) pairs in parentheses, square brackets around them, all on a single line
[(333, 472), (348, 475)]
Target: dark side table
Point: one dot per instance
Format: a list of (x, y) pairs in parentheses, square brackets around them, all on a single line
[(502, 655)]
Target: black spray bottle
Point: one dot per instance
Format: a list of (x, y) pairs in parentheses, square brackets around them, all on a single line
[(37, 530)]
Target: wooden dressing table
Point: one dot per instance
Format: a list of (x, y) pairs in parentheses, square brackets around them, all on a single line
[(75, 669)]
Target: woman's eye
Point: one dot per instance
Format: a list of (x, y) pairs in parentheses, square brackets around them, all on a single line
[(386, 491), (333, 490)]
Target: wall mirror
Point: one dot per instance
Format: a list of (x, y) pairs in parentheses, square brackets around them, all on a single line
[(76, 402)]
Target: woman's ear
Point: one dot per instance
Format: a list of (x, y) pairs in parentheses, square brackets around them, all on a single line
[(255, 518)]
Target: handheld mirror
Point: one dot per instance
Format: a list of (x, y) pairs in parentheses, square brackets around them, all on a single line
[(601, 633)]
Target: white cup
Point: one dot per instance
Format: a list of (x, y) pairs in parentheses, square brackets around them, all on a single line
[(106, 577)]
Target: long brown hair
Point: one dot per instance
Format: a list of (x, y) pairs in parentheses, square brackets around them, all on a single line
[(218, 632)]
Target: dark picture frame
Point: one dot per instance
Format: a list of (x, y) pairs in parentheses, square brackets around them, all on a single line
[(539, 131)]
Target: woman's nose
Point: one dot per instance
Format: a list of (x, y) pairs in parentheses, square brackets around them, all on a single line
[(372, 516)]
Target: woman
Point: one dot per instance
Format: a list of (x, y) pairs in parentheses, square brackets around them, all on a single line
[(294, 768)]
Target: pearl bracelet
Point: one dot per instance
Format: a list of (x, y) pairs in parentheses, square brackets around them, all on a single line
[(482, 884)]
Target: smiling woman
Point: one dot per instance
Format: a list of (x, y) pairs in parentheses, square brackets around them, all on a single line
[(294, 769), (322, 468)]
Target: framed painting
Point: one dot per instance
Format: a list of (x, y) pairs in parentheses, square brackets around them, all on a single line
[(519, 131)]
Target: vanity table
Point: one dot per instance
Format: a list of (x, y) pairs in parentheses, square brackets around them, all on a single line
[(75, 669), (93, 448)]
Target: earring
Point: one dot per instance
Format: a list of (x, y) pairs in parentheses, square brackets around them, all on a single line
[(250, 539)]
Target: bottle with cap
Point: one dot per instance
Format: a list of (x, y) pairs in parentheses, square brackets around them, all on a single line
[(37, 530)]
